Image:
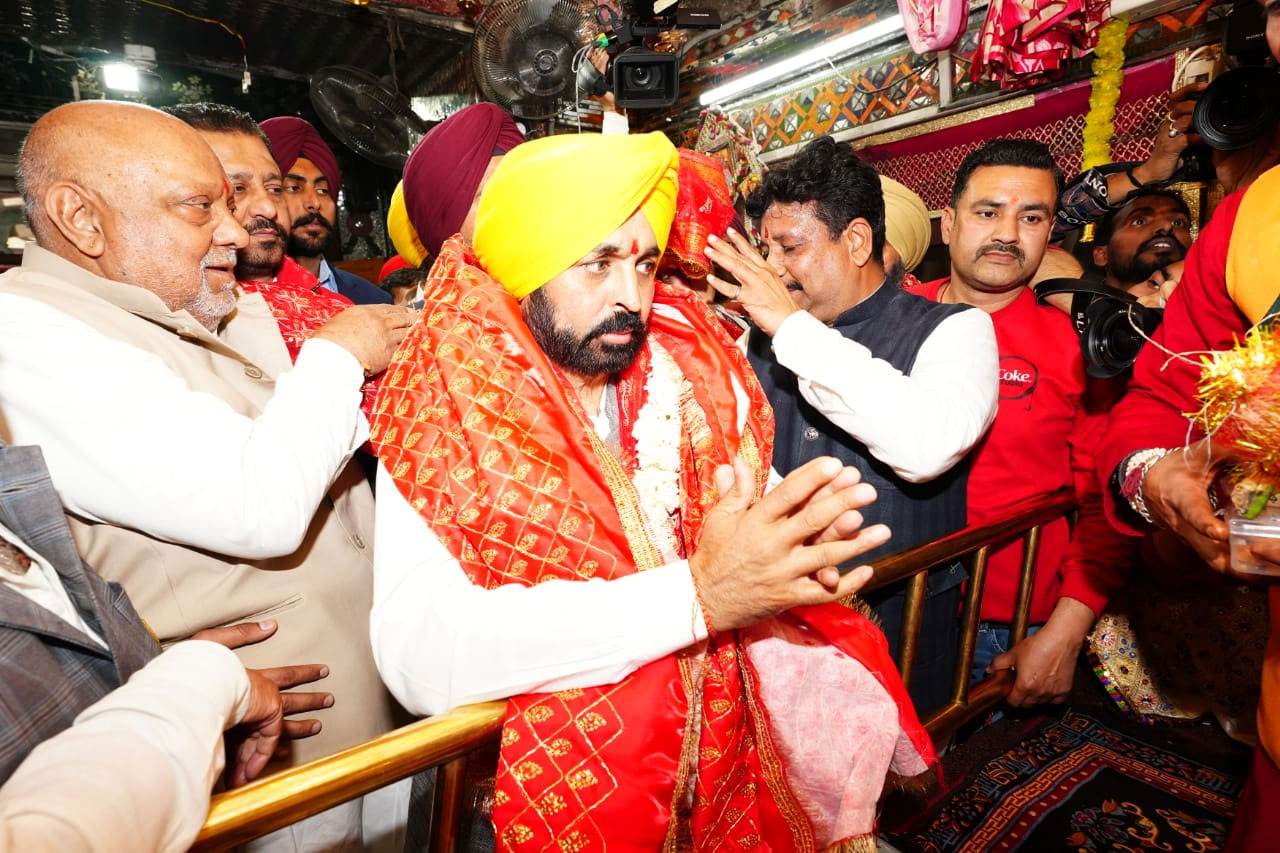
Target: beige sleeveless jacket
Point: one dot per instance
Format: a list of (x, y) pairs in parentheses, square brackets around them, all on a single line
[(320, 595)]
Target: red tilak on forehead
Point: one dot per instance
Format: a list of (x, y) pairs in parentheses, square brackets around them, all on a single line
[(766, 233), (635, 247)]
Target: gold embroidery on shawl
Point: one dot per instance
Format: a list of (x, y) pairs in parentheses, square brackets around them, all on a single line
[(858, 844), (771, 764), (692, 671), (627, 502)]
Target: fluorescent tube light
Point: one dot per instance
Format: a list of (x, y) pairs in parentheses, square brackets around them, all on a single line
[(836, 47), (120, 76)]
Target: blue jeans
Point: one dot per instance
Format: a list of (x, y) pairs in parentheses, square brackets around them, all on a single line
[(993, 641)]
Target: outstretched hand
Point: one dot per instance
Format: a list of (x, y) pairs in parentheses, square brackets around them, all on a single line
[(371, 333), (758, 559), (283, 677), (759, 289), (258, 731)]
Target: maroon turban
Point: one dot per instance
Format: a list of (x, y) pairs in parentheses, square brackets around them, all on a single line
[(444, 171), (292, 138)]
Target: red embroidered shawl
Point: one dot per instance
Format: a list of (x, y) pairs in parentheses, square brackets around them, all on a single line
[(489, 444), (301, 305)]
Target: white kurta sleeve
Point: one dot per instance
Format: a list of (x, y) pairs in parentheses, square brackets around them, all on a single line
[(135, 769), (919, 424), (130, 443), (440, 641)]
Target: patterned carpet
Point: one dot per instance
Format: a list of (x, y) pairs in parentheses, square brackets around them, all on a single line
[(1082, 780)]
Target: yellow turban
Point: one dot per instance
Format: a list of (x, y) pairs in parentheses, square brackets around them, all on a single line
[(906, 222), (401, 232), (553, 200)]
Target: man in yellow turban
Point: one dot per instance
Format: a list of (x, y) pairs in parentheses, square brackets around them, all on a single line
[(573, 457)]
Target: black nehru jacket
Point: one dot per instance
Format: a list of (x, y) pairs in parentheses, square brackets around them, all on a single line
[(892, 324)]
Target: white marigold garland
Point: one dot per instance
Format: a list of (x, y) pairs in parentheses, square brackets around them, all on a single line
[(657, 438)]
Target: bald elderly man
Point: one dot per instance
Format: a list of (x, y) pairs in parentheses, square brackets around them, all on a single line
[(199, 468)]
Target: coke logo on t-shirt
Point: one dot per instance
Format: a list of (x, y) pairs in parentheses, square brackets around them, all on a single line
[(1018, 377)]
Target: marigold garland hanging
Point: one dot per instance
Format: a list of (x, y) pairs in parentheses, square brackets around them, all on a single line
[(1108, 74)]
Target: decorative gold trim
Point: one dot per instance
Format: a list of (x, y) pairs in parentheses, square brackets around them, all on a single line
[(643, 550), (1194, 194), (771, 763), (1179, 60), (693, 670), (858, 844), (949, 121)]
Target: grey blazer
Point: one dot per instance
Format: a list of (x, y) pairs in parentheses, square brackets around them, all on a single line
[(50, 671)]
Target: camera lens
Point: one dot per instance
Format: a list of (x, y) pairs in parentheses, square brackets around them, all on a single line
[(1114, 334), (640, 78), (645, 79), (1238, 108)]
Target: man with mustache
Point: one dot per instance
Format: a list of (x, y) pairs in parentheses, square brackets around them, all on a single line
[(997, 228), (296, 298), (310, 210), (1149, 232), (200, 468), (257, 191), (572, 454), (854, 367)]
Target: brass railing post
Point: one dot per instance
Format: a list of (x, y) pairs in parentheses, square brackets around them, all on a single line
[(1026, 586), (912, 614), (969, 625), (447, 814)]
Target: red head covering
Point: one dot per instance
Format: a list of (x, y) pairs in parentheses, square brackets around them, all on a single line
[(395, 262), (703, 207), (291, 138), (444, 171)]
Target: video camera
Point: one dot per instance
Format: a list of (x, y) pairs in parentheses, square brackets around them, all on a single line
[(1112, 324), (641, 78), (1241, 105)]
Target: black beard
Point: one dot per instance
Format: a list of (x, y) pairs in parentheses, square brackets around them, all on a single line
[(1136, 270), (586, 355), (255, 261), (301, 246)]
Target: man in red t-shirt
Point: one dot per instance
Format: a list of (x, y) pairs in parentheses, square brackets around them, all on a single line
[(997, 228)]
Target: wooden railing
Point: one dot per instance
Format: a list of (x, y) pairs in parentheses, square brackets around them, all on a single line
[(446, 741)]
